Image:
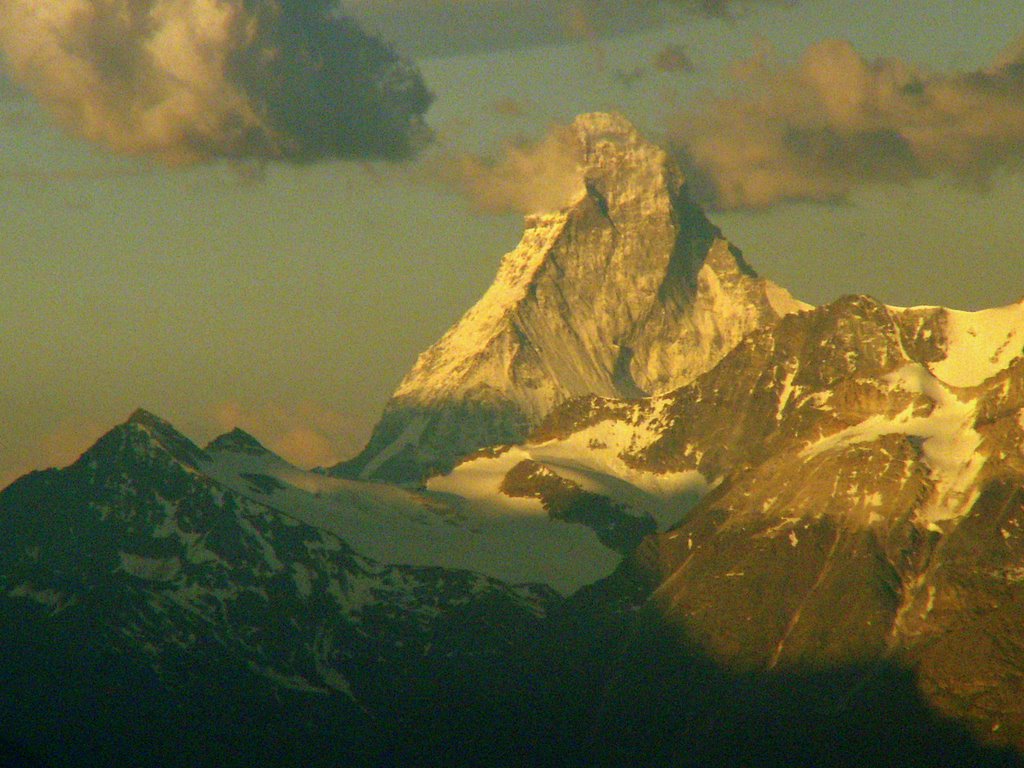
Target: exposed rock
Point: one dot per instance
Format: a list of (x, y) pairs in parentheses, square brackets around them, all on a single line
[(626, 291)]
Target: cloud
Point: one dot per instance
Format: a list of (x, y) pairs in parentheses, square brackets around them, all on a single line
[(453, 27), (187, 81), (720, 8), (627, 78), (834, 121), (305, 434), (528, 176)]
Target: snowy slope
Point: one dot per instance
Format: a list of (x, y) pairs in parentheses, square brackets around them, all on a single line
[(592, 459), (511, 540)]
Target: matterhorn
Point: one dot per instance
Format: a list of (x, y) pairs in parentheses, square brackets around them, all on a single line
[(626, 291)]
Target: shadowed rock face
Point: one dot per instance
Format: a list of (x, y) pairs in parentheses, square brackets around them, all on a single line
[(565, 500), (153, 616), (648, 693), (628, 290)]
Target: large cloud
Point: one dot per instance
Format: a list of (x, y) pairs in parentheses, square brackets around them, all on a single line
[(451, 27), (193, 80), (835, 120)]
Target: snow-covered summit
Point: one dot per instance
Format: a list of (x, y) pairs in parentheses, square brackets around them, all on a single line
[(627, 290)]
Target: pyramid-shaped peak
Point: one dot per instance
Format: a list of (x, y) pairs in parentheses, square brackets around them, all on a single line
[(610, 139), (162, 434), (619, 167), (627, 290), (145, 433)]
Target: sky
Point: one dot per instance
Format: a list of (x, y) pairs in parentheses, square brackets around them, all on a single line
[(257, 214)]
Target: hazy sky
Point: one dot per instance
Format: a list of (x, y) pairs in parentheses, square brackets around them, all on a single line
[(234, 217)]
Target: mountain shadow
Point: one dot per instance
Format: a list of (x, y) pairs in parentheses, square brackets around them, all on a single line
[(613, 684)]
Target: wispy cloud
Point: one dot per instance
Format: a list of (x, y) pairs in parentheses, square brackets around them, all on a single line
[(453, 27), (673, 58), (834, 121), (526, 177), (187, 81), (511, 108), (718, 7)]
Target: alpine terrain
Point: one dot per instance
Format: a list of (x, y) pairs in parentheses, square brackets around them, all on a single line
[(638, 507)]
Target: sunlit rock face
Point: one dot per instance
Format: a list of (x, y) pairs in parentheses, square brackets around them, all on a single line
[(866, 504), (628, 290)]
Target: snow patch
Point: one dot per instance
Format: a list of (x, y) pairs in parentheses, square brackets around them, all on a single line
[(787, 390), (1014, 575), (949, 441), (50, 598), (980, 344), (150, 568), (410, 436)]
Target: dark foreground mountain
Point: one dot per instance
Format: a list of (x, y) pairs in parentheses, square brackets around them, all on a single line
[(152, 616)]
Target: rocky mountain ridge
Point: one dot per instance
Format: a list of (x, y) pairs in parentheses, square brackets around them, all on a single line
[(858, 505), (626, 291)]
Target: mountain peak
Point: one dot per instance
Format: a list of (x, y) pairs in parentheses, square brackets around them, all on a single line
[(161, 434), (610, 141), (237, 441), (147, 419), (620, 170), (626, 291)]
